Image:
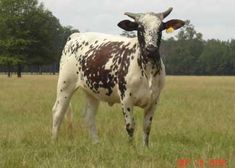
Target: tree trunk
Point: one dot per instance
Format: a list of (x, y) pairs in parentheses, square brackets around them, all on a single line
[(54, 69), (9, 70), (19, 69), (31, 69), (39, 69)]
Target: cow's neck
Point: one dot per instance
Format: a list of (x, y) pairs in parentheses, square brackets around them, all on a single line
[(149, 62)]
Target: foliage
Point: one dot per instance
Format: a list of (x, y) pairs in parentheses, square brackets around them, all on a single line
[(29, 33), (189, 54)]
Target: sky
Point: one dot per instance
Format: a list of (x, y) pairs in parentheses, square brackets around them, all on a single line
[(213, 18)]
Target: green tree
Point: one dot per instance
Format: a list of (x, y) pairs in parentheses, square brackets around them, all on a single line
[(29, 34), (230, 68), (183, 54), (12, 41), (188, 32), (215, 58)]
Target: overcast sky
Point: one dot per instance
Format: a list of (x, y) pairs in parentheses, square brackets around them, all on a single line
[(213, 18)]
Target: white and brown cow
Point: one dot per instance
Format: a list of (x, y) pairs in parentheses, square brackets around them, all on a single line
[(115, 69)]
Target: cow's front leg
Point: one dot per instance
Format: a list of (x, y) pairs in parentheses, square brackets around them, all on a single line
[(148, 116), (127, 109)]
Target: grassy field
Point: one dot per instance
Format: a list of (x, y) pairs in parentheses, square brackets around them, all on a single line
[(195, 120)]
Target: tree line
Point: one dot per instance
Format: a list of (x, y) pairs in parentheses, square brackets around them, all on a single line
[(32, 39), (189, 54), (29, 35)]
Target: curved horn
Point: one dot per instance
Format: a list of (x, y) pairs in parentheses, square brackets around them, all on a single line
[(132, 15), (166, 13)]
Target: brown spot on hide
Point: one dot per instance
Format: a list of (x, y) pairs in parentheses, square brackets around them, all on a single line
[(94, 61)]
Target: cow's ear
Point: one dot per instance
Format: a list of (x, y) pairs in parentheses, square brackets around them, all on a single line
[(174, 23), (128, 25)]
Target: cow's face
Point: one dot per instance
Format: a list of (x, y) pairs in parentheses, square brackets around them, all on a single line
[(149, 31), (149, 27)]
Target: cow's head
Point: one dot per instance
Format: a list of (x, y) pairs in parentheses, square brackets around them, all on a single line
[(149, 27)]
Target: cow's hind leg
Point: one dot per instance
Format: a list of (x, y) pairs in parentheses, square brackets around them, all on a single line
[(69, 118), (90, 113), (64, 93)]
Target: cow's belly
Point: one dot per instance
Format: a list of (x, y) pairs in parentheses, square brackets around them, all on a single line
[(102, 94)]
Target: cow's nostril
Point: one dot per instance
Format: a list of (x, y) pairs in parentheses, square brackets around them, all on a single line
[(151, 48)]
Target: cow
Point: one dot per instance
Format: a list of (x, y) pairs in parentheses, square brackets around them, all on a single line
[(115, 69)]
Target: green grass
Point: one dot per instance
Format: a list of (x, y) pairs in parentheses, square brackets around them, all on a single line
[(194, 120)]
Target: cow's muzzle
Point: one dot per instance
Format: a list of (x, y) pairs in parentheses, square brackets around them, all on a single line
[(151, 49)]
